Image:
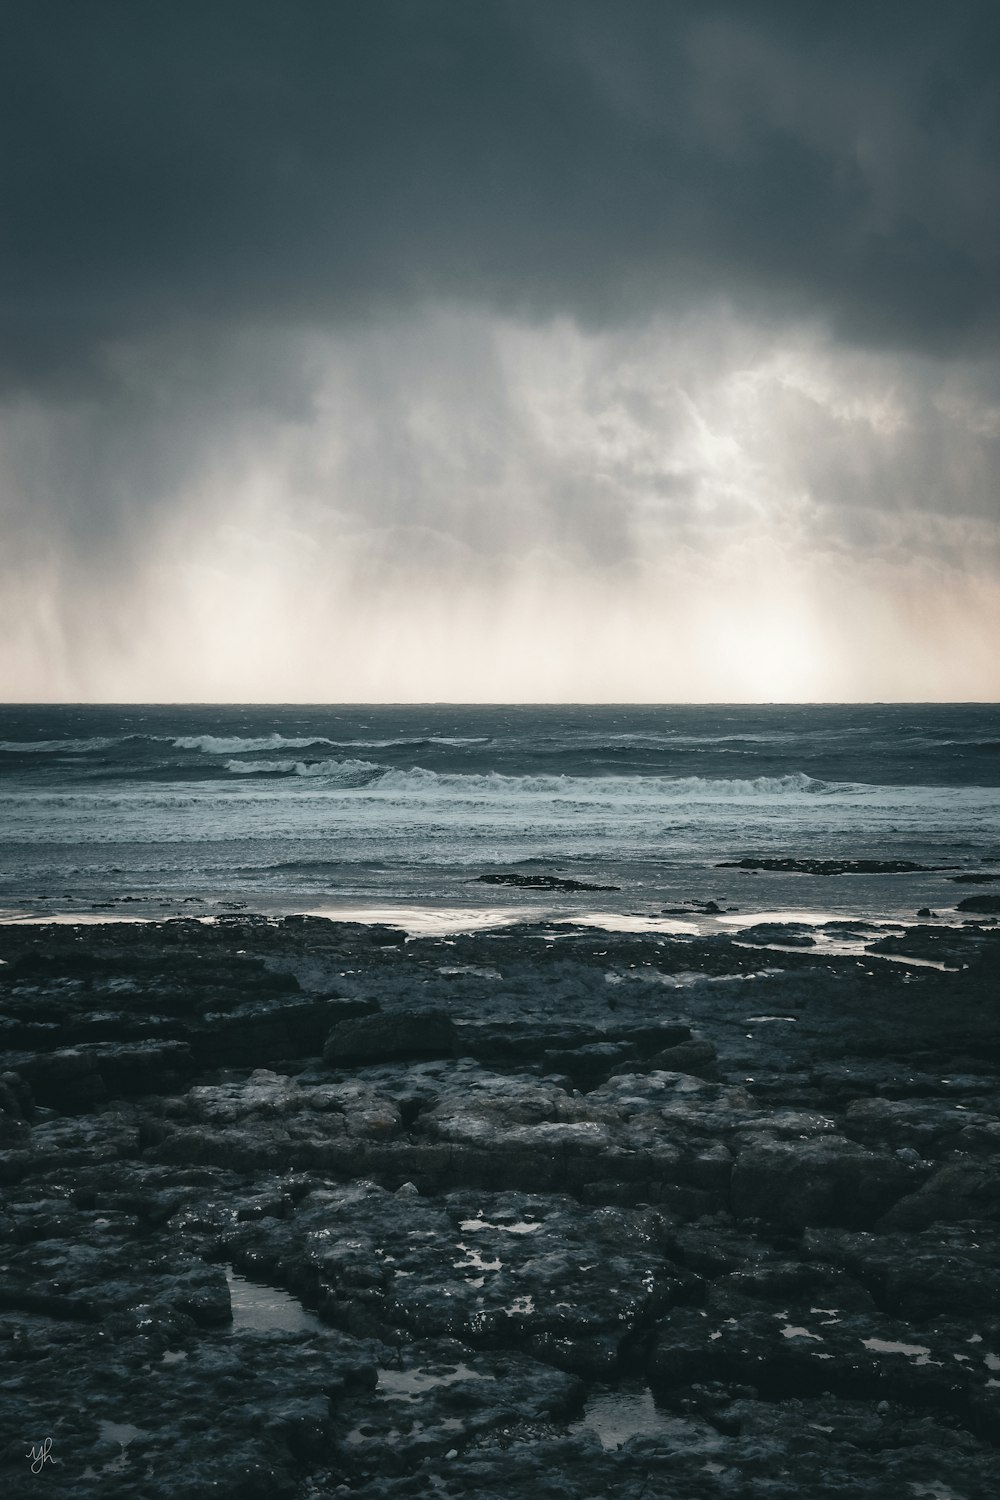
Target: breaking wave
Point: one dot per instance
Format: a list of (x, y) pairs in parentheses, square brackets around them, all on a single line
[(421, 783), (347, 772), (697, 788), (212, 744)]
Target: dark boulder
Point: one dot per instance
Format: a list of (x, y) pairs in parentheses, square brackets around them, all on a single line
[(391, 1037), (985, 905), (824, 1180)]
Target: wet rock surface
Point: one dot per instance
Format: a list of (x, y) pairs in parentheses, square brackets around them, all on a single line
[(827, 866), (541, 882), (989, 905), (301, 1208)]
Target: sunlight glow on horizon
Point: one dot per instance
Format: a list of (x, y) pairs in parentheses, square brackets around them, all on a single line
[(475, 510)]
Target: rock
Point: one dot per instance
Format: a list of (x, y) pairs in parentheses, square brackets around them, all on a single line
[(947, 1272), (391, 1037), (952, 946), (987, 905), (589, 1065), (69, 1079), (542, 882), (828, 866), (933, 1126), (828, 1180), (958, 1190), (507, 1219), (79, 1078), (702, 908), (787, 934), (698, 1056)]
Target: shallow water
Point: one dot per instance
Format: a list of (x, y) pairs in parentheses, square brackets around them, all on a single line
[(266, 1308), (630, 1411)]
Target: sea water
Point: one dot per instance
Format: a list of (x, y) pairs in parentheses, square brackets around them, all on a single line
[(373, 810)]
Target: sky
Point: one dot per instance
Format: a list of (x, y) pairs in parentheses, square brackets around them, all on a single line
[(499, 350)]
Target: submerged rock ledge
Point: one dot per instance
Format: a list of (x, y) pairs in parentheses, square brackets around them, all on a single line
[(302, 1208)]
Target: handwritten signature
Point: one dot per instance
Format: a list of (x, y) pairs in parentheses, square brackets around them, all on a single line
[(40, 1455)]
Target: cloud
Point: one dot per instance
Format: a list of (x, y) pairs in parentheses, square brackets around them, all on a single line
[(464, 506), (206, 165), (436, 349)]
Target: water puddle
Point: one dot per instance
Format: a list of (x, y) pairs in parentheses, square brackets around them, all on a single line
[(458, 969), (408, 1385), (630, 1411), (521, 1306), (403, 1387), (919, 1352), (474, 1261), (122, 1433), (471, 1226), (267, 1309), (368, 1433), (683, 979), (426, 921)]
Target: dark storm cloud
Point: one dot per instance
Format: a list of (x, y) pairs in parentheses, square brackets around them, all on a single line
[(200, 163)]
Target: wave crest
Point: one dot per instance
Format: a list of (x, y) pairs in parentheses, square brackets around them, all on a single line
[(653, 788), (347, 772), (212, 744)]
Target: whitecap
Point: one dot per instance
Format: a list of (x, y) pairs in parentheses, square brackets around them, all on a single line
[(211, 744), (334, 770), (657, 788)]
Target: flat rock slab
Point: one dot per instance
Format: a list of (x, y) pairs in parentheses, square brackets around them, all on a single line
[(299, 1208)]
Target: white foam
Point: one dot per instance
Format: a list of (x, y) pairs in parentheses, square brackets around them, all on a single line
[(212, 744), (331, 769), (423, 921), (603, 788), (459, 739), (413, 741), (751, 918)]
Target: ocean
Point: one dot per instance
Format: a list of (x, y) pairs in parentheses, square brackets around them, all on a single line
[(400, 811)]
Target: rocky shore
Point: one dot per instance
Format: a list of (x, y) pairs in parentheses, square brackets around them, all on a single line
[(300, 1208)]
